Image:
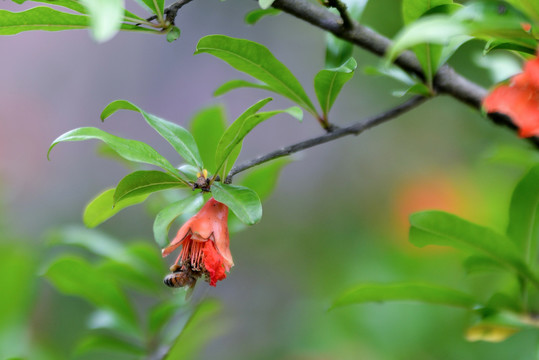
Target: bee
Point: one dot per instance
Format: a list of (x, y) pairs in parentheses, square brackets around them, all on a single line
[(181, 276)]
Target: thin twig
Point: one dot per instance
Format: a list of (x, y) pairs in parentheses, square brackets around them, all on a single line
[(171, 11), (354, 129), (342, 9)]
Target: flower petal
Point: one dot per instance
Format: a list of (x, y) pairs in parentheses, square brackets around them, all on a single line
[(213, 262)]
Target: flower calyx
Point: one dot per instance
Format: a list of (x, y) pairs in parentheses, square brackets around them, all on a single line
[(203, 182)]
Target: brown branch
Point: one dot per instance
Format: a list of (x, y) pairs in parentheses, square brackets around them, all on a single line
[(446, 80), (171, 11), (354, 129)]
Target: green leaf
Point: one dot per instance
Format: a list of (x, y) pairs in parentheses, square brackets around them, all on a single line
[(102, 207), (414, 9), (70, 4), (257, 61), (263, 179), (144, 182), (173, 34), (40, 18), (131, 150), (523, 226), (177, 136), (92, 240), (426, 293), (328, 84), (252, 17), (419, 89), (207, 127), (106, 17), (440, 228), (155, 6), (164, 219), (529, 7), (337, 49), (99, 342), (264, 4), (479, 263), (236, 84), (480, 19), (243, 125), (510, 45), (159, 315), (243, 202), (131, 277), (199, 329), (74, 276)]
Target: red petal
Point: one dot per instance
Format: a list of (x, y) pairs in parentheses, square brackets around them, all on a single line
[(213, 262)]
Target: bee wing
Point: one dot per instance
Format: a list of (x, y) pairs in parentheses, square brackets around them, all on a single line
[(189, 291)]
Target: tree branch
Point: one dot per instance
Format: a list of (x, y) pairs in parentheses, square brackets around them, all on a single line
[(446, 80), (172, 11), (354, 129)]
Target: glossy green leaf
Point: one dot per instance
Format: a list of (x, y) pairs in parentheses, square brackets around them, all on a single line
[(414, 9), (263, 179), (181, 139), (523, 226), (252, 17), (236, 84), (243, 125), (480, 19), (257, 61), (207, 127), (189, 171), (111, 343), (202, 326), (106, 17), (166, 217), (509, 45), (173, 34), (419, 89), (69, 4), (479, 263), (528, 7), (40, 18), (231, 160), (102, 207), (265, 4), (75, 276), (426, 293), (328, 84), (128, 149), (428, 55), (243, 202), (392, 72), (145, 182), (440, 228)]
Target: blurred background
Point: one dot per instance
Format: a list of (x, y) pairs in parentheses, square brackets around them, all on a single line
[(338, 217)]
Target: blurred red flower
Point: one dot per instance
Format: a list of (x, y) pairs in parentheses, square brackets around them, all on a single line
[(519, 99), (205, 243)]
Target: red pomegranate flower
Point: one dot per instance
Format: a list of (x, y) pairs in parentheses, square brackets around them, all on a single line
[(205, 243), (519, 99)]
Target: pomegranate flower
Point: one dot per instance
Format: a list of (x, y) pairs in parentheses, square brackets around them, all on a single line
[(519, 99), (205, 244)]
